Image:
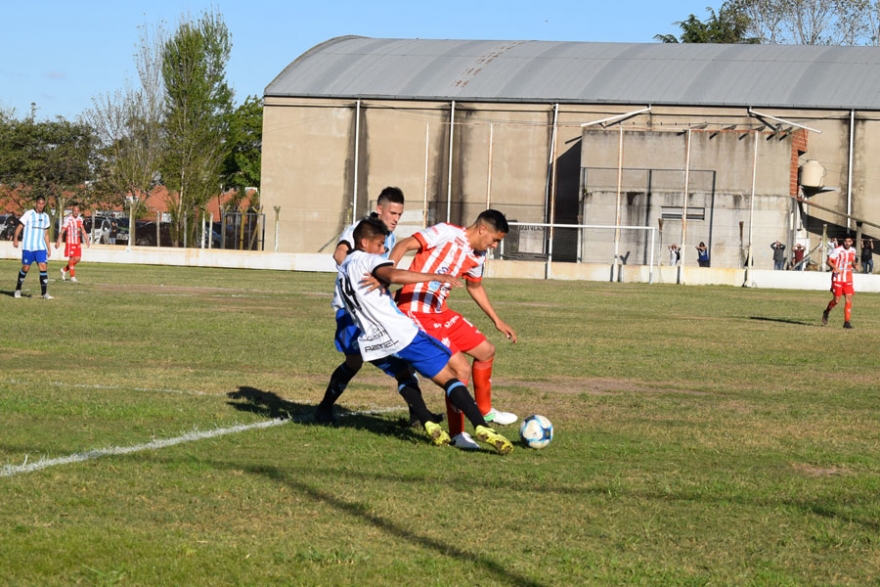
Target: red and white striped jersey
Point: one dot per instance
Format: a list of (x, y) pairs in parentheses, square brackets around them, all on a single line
[(445, 250), (73, 227), (844, 259)]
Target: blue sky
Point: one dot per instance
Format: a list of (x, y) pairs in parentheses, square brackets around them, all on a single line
[(60, 54)]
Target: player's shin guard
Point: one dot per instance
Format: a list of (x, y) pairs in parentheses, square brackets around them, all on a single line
[(454, 418), (44, 281), (847, 310), (21, 276), (338, 382), (831, 305), (458, 395), (483, 385)]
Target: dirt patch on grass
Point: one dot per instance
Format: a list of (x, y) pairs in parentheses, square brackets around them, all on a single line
[(813, 471)]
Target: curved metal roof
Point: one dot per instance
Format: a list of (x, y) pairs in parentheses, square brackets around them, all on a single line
[(784, 76)]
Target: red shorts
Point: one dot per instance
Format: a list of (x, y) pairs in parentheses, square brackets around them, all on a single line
[(73, 250), (839, 288), (450, 328)]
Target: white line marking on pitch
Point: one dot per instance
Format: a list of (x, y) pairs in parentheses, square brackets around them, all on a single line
[(10, 470)]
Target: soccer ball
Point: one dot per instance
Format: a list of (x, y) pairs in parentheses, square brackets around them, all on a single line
[(536, 431)]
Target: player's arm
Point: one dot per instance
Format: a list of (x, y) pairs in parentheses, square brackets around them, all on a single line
[(85, 236), (48, 243), (58, 241), (479, 295), (17, 234), (390, 274), (402, 247), (341, 251)]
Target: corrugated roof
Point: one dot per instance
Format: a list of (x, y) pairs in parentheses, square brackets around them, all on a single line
[(785, 76)]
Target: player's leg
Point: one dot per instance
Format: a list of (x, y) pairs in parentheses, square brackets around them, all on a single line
[(26, 261), (431, 358), (408, 387), (835, 292), (847, 310), (468, 337), (44, 275), (346, 342), (71, 266)]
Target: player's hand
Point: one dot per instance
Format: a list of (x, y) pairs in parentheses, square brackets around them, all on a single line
[(370, 282), (448, 280), (57, 245), (15, 244), (506, 330)]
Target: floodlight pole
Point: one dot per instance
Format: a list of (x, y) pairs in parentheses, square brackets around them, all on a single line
[(749, 258)]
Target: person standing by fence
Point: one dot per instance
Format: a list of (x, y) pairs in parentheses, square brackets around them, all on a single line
[(702, 254), (868, 256)]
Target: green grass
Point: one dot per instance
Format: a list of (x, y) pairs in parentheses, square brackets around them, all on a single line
[(704, 436)]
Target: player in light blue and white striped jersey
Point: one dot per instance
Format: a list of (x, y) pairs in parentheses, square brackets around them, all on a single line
[(33, 228)]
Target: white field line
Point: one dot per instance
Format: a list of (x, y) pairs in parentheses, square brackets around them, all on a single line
[(10, 470)]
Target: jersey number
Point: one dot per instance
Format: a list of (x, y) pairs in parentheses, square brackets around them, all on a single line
[(348, 292)]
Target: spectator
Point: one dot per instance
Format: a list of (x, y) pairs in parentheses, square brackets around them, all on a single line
[(703, 254), (868, 256), (674, 254), (798, 261), (778, 256)]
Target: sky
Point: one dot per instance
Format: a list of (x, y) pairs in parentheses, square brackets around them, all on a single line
[(62, 54)]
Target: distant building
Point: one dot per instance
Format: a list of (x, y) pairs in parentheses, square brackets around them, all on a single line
[(577, 133)]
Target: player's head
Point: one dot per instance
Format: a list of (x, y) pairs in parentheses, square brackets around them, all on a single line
[(369, 236), (74, 209), (40, 203), (847, 242), (488, 230), (389, 207)]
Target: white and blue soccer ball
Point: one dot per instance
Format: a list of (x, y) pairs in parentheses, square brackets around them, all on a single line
[(536, 431)]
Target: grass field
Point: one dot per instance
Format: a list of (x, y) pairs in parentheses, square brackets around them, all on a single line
[(704, 436)]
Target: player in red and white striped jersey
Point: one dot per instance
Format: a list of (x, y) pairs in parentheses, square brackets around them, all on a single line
[(74, 234), (461, 252), (843, 263)]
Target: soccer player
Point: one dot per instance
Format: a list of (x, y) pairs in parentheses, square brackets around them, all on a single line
[(843, 262), (75, 234), (386, 334), (33, 227), (389, 209), (460, 252)]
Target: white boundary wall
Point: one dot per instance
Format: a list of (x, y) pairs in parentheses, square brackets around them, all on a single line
[(322, 262)]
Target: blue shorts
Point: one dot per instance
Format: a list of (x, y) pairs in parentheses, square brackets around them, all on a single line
[(426, 354), (30, 257), (347, 333)]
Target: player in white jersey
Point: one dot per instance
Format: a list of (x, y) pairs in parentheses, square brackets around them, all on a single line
[(843, 263), (453, 250), (389, 209), (74, 234), (386, 334), (33, 227)]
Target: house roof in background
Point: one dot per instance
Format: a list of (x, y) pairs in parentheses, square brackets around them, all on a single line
[(783, 76)]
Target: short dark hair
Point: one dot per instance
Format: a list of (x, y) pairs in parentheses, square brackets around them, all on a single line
[(40, 197), (369, 228), (494, 220), (390, 195)]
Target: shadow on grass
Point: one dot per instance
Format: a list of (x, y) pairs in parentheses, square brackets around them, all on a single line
[(269, 405), (364, 512), (783, 320)]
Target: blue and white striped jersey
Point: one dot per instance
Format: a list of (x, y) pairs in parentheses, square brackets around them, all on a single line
[(33, 235)]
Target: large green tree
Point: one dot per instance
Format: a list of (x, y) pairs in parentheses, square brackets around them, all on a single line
[(53, 158), (198, 105), (729, 25)]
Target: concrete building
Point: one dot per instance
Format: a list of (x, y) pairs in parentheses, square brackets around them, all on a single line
[(589, 134)]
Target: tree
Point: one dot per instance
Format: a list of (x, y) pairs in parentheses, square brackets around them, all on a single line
[(241, 169), (730, 25), (813, 22), (129, 125), (198, 104), (54, 159)]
